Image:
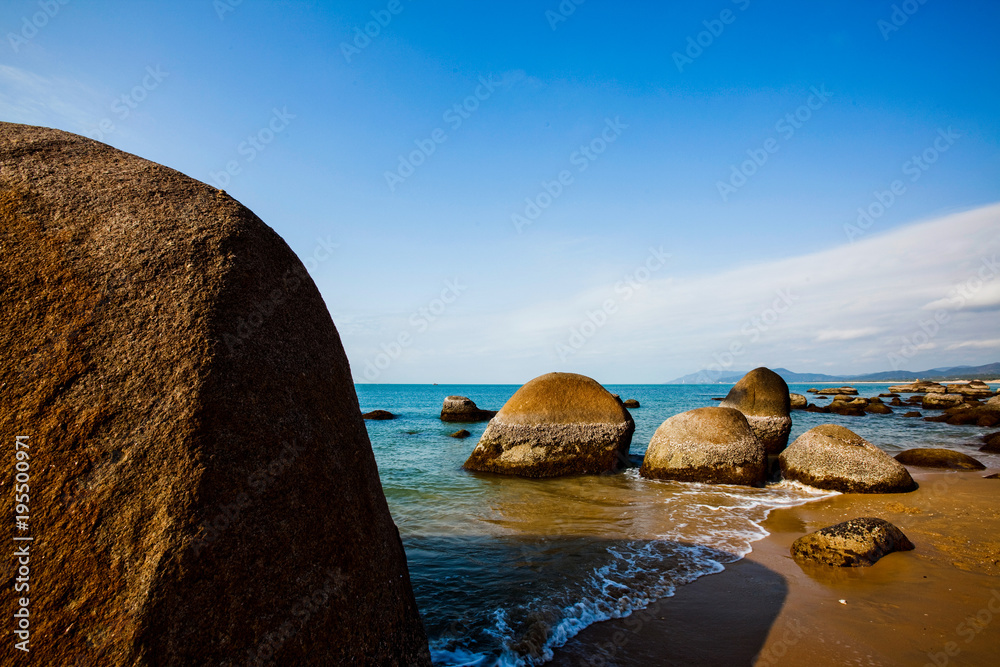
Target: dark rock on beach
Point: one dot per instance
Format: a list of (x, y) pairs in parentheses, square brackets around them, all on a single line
[(461, 409), (203, 474), (938, 458), (854, 543), (378, 415), (835, 458), (712, 445), (557, 424), (762, 396)]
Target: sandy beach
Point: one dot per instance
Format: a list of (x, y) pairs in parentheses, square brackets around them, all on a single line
[(938, 605)]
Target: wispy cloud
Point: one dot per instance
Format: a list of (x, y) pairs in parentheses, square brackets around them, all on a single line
[(26, 97), (846, 309)]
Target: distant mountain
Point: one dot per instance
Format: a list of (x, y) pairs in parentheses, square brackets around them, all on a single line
[(989, 371)]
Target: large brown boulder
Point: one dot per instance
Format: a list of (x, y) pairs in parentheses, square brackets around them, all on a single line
[(938, 401), (835, 458), (464, 410), (854, 543), (974, 389), (918, 387), (930, 457), (557, 424), (203, 491), (797, 402), (833, 391), (712, 445), (762, 396)]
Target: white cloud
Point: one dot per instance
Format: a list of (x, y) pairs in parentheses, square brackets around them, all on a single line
[(846, 334), (993, 344), (846, 309), (26, 97)]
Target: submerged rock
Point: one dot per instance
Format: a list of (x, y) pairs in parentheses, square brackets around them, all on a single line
[(762, 396), (878, 409), (713, 445), (631, 403), (987, 416), (854, 543), (378, 415), (835, 458), (925, 457), (461, 409), (847, 408), (204, 475), (913, 414), (459, 434), (918, 387), (941, 401), (557, 424)]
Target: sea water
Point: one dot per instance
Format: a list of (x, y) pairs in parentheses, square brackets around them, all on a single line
[(506, 569)]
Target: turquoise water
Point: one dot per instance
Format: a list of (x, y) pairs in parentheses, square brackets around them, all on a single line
[(505, 569)]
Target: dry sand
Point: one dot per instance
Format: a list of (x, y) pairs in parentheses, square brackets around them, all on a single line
[(938, 605)]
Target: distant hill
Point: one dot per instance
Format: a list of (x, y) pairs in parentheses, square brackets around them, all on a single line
[(989, 371)]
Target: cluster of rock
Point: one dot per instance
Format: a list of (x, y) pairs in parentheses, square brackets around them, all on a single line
[(973, 389)]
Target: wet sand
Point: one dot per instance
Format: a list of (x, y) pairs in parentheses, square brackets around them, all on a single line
[(938, 605)]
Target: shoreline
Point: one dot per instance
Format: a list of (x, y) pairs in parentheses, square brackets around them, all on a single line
[(910, 608)]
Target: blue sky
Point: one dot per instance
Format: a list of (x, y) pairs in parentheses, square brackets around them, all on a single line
[(744, 157)]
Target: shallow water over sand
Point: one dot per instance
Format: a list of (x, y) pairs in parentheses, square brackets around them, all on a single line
[(506, 569)]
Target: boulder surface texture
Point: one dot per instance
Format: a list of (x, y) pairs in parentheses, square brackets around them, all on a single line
[(202, 487), (835, 458), (762, 396), (854, 543), (711, 445), (557, 424)]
